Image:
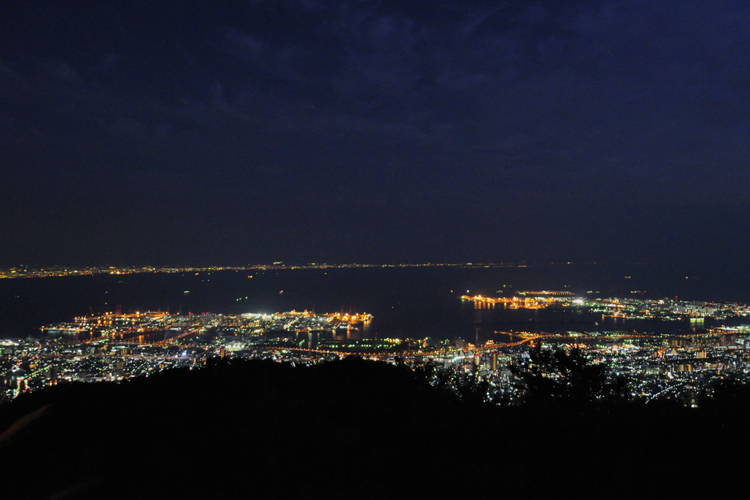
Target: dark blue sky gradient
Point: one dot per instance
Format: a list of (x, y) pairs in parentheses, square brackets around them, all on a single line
[(139, 132)]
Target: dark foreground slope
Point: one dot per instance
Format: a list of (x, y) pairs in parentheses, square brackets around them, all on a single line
[(350, 429)]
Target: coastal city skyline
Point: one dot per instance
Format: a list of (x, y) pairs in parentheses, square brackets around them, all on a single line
[(116, 346), (667, 347)]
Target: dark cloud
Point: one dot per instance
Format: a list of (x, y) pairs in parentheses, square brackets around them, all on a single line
[(408, 118)]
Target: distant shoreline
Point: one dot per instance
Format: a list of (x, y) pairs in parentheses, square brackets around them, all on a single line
[(55, 271)]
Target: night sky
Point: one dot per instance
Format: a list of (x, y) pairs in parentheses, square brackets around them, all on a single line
[(192, 133)]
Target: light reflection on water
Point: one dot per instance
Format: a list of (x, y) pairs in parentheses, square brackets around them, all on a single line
[(405, 302)]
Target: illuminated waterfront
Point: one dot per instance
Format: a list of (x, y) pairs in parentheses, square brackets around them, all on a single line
[(114, 347), (416, 301), (115, 326)]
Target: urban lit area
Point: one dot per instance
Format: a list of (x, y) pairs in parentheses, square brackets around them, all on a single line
[(116, 346)]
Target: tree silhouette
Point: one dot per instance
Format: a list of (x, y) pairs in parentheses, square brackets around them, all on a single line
[(471, 388), (567, 377)]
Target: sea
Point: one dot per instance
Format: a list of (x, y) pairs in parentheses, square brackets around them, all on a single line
[(405, 301)]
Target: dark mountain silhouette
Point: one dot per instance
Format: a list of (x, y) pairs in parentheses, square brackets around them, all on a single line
[(349, 429)]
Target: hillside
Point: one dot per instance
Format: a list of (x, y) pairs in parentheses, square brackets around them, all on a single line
[(351, 429)]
